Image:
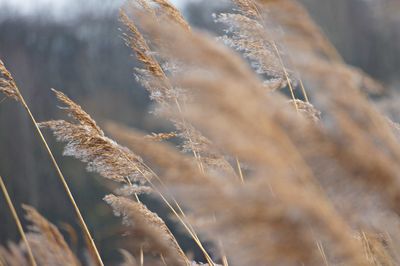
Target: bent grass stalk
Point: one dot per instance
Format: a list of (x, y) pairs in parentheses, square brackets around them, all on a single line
[(17, 222), (196, 154), (188, 227), (319, 244), (88, 237), (176, 242), (282, 64)]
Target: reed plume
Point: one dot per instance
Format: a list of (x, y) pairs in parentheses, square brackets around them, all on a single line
[(172, 12), (47, 243), (322, 180), (7, 83), (177, 168), (154, 78), (151, 229), (87, 142), (247, 35), (289, 24), (204, 51), (10, 88), (305, 147)]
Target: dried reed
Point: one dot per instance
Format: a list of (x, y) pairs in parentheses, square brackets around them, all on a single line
[(10, 88), (322, 185), (17, 222), (47, 244), (88, 143), (157, 236)]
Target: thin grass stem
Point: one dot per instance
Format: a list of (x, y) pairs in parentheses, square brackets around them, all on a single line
[(17, 222), (88, 237)]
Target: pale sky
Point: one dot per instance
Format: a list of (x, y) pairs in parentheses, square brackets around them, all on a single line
[(66, 8)]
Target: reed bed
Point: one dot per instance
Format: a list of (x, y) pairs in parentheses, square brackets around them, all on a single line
[(282, 158)]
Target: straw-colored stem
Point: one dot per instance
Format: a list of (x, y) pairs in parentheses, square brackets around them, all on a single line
[(322, 252), (91, 244), (17, 222), (223, 255), (303, 89), (201, 168), (163, 260), (141, 247), (283, 65), (141, 256), (188, 228), (191, 233), (199, 163), (197, 156), (169, 232), (239, 170), (286, 75)]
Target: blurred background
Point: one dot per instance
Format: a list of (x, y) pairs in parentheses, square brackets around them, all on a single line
[(76, 47)]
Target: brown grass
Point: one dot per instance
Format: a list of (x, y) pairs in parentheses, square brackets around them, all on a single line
[(17, 222), (320, 184), (9, 87)]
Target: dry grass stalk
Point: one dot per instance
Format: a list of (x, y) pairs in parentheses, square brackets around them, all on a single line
[(311, 188), (291, 14), (87, 142), (102, 155), (77, 113), (47, 243), (277, 237), (306, 142), (15, 91), (343, 77), (172, 12), (355, 132), (161, 136), (308, 110), (7, 83), (17, 222), (262, 50), (146, 224), (194, 140), (177, 168), (129, 260), (204, 53), (350, 118), (13, 255), (208, 188), (169, 97), (209, 156), (152, 77), (248, 7), (300, 31), (133, 189), (247, 36), (375, 246)]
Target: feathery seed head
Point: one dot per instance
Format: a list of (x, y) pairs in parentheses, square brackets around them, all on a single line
[(148, 224), (87, 142), (7, 83)]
